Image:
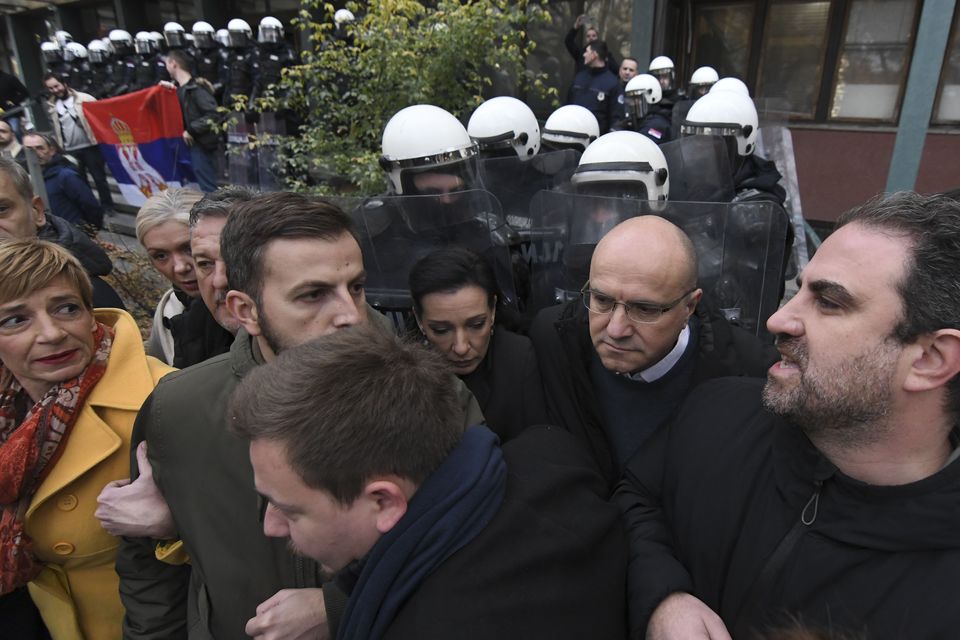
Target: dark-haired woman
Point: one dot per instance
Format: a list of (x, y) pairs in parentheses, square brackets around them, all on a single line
[(454, 300)]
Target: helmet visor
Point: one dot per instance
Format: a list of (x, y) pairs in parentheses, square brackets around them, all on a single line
[(725, 129)]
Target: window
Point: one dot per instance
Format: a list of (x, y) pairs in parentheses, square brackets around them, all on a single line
[(874, 59), (721, 37), (947, 108), (794, 43)]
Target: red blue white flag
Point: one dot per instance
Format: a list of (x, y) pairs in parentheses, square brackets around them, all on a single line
[(141, 137)]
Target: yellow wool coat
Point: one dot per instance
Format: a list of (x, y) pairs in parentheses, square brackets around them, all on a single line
[(77, 591)]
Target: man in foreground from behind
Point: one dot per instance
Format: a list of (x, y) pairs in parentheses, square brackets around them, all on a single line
[(433, 531), (827, 495)]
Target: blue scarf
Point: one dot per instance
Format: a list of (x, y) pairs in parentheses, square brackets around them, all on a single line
[(449, 510)]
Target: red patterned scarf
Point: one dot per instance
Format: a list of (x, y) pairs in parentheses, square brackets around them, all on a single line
[(29, 449)]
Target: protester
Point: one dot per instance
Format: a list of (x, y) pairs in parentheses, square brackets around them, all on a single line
[(199, 116), (295, 273), (69, 196), (163, 228), (454, 301), (827, 494), (628, 69), (589, 35), (617, 363), (70, 385), (596, 87), (9, 145), (22, 216), (433, 531), (74, 135)]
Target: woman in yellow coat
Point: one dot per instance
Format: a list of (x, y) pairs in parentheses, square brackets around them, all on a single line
[(71, 384)]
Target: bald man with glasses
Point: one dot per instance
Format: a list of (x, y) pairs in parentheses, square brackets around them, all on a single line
[(617, 363)]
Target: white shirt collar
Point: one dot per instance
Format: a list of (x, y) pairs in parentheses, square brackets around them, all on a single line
[(660, 369)]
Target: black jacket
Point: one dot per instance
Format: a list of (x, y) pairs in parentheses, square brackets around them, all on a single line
[(712, 498), (549, 565), (758, 179), (507, 385), (199, 114), (196, 335), (599, 91), (94, 259), (561, 337)]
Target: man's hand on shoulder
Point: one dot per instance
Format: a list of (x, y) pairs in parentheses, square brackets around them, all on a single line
[(291, 614), (682, 616)]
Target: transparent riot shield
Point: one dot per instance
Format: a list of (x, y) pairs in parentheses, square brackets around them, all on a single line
[(700, 169), (514, 182), (740, 249), (396, 231), (269, 129), (241, 159)]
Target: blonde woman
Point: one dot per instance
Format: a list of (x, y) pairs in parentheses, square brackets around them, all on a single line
[(163, 228)]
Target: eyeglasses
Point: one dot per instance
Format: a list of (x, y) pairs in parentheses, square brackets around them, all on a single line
[(639, 312)]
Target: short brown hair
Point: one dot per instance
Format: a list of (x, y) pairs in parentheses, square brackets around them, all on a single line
[(353, 405), (29, 265), (253, 224)]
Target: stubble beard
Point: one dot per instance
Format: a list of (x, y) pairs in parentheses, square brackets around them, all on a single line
[(846, 405)]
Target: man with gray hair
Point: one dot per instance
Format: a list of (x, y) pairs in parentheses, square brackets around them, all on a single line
[(827, 495), (22, 216)]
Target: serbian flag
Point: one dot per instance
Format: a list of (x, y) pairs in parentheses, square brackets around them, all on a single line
[(141, 137)]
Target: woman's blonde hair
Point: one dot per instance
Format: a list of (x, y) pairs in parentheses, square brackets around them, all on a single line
[(172, 204), (26, 266)]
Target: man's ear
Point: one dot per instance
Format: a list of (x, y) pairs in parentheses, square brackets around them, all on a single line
[(244, 310), (389, 502), (935, 360), (39, 217), (693, 301)]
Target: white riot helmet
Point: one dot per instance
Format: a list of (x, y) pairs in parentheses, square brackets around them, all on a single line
[(727, 114), (571, 127), (108, 43), (142, 43), (122, 42), (51, 52), (343, 16), (223, 37), (175, 35), (241, 35), (426, 139), (731, 84), (203, 34), (63, 38), (701, 81), (156, 41), (271, 30), (623, 164), (98, 51), (662, 69), (505, 124), (74, 51), (642, 91)]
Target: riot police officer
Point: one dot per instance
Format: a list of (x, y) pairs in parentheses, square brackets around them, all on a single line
[(207, 56), (145, 69), (570, 127), (175, 36), (124, 62), (75, 55), (274, 56), (240, 66), (52, 54), (645, 113), (101, 70)]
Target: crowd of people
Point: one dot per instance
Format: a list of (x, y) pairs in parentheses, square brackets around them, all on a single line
[(517, 395)]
